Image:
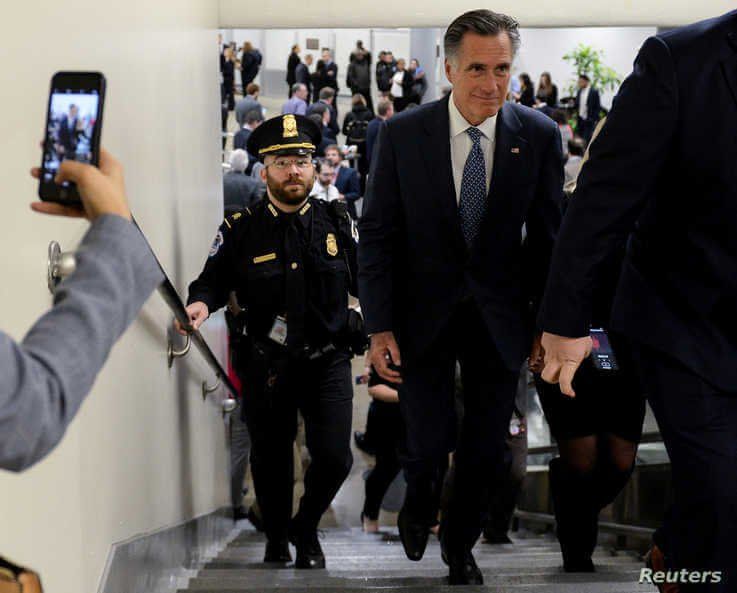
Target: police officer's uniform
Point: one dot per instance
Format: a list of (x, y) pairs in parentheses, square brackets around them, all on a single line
[(292, 274)]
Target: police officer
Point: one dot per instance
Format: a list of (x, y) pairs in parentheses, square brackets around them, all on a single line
[(291, 261)]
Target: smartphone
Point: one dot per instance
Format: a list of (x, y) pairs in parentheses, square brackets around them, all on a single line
[(602, 353), (73, 128)]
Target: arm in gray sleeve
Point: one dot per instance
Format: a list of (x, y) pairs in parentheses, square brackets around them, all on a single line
[(46, 377)]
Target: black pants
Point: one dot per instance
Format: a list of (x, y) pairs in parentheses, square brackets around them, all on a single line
[(321, 390), (386, 434), (699, 427), (426, 398)]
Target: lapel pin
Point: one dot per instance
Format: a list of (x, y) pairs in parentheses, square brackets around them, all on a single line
[(515, 150)]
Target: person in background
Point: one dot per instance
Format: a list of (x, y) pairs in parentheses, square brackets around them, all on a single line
[(358, 78), (331, 80), (320, 118), (384, 111), (324, 188), (419, 80), (250, 63), (47, 376), (297, 105), (326, 97), (385, 69), (547, 92), (527, 91), (302, 75), (292, 62), (588, 108), (248, 103), (564, 127), (355, 129), (239, 189), (346, 179), (229, 77), (401, 90), (576, 148), (253, 120)]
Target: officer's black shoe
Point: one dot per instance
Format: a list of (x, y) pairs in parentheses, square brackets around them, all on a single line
[(277, 550), (463, 570), (309, 551), (414, 535), (363, 443)]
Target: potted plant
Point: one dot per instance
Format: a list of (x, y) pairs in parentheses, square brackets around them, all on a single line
[(588, 60)]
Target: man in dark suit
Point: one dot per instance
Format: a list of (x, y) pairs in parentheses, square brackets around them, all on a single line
[(327, 98), (331, 78), (292, 62), (253, 120), (677, 292), (588, 107), (444, 276), (67, 134), (384, 110), (302, 74), (239, 189), (347, 180)]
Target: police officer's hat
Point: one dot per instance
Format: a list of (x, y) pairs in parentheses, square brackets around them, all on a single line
[(285, 134)]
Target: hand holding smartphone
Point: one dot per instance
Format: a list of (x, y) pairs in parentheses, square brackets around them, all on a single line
[(73, 130)]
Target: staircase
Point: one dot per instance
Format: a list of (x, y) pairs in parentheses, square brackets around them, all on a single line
[(358, 562)]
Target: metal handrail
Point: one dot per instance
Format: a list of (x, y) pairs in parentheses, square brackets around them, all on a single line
[(171, 297), (648, 437)]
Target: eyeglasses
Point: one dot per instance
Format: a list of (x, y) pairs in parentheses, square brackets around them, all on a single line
[(281, 164)]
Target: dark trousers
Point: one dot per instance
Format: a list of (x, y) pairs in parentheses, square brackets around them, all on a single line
[(585, 129), (428, 408), (504, 498), (386, 434), (321, 390), (699, 427)]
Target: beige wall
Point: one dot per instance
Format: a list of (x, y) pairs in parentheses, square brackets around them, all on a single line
[(415, 13), (145, 452)]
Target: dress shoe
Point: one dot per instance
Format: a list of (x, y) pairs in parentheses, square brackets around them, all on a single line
[(309, 551), (414, 535), (496, 538), (463, 570), (363, 443), (574, 564), (277, 550)]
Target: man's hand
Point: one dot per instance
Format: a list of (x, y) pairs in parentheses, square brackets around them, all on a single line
[(102, 190), (536, 363), (563, 356), (197, 313), (383, 350)]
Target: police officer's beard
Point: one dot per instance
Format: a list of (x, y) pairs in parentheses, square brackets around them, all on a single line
[(291, 192)]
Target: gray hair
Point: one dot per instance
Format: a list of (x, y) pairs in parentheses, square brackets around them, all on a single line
[(482, 22), (297, 86), (238, 160)]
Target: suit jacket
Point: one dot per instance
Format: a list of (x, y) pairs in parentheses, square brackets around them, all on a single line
[(331, 76), (676, 198), (68, 135), (243, 106), (348, 183), (414, 266), (593, 104), (291, 67), (48, 375), (302, 74), (372, 132), (333, 125), (240, 191)]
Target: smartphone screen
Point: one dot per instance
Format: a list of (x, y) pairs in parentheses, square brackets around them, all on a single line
[(73, 126), (602, 353)]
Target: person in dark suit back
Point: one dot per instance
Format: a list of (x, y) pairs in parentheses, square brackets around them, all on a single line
[(588, 107), (240, 141), (302, 74), (676, 204), (239, 189), (384, 110), (292, 62), (444, 276), (326, 97)]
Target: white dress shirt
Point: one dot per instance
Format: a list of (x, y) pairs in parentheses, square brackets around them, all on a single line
[(321, 192), (583, 103), (461, 144)]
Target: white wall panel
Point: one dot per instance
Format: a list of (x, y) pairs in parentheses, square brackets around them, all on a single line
[(145, 452), (417, 13)]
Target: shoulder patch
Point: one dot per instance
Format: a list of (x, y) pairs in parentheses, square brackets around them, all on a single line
[(217, 243)]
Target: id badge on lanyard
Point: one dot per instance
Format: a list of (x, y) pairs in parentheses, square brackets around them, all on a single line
[(278, 331)]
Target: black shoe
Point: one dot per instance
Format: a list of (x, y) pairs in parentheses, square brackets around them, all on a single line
[(496, 538), (309, 551), (363, 443), (239, 513), (578, 564), (414, 535), (255, 520), (463, 570), (277, 550)]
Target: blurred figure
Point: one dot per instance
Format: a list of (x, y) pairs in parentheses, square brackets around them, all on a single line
[(547, 92), (588, 108), (384, 111), (324, 188), (240, 140), (292, 62), (401, 90), (250, 63), (385, 69), (527, 91), (576, 148), (297, 105), (566, 132), (302, 75), (346, 179), (419, 81), (358, 78), (326, 97), (240, 190), (229, 77), (248, 103), (355, 130)]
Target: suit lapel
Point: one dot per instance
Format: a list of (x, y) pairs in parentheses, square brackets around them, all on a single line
[(438, 163), (509, 153), (729, 65)]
